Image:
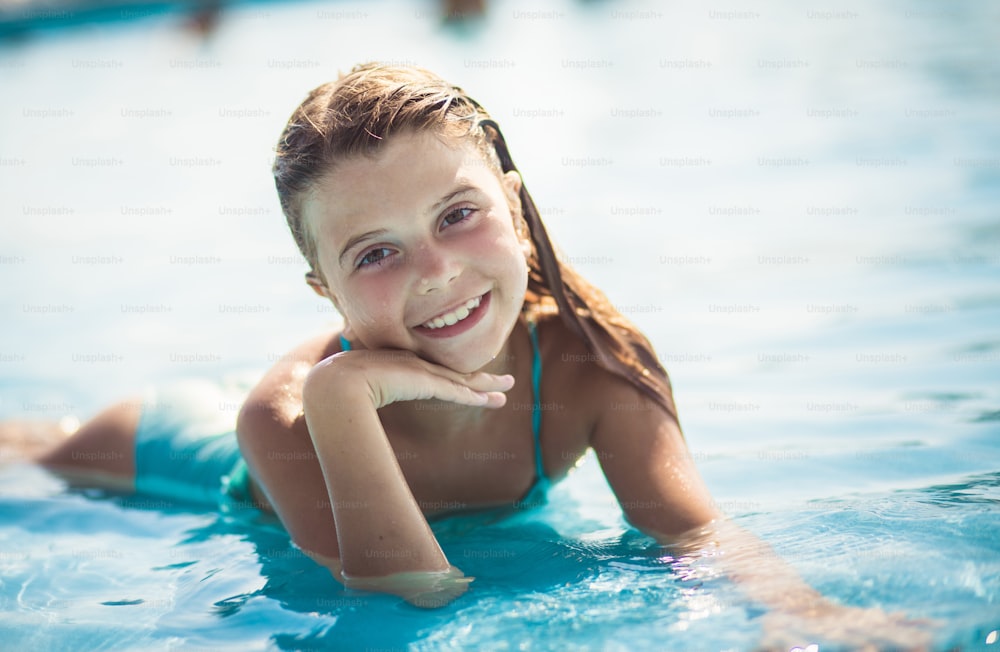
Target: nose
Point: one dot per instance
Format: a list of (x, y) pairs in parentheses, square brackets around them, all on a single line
[(436, 267)]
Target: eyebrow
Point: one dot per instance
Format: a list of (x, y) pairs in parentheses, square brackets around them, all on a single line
[(361, 237)]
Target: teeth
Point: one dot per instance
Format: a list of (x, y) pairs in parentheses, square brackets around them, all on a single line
[(451, 318)]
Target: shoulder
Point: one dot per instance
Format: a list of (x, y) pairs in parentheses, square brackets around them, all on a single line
[(569, 364), (274, 440), (571, 371), (562, 349), (276, 400)]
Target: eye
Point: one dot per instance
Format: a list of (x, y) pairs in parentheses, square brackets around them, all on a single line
[(458, 215), (374, 257)]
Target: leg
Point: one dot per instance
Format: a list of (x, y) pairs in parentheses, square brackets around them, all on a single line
[(102, 450), (28, 440)]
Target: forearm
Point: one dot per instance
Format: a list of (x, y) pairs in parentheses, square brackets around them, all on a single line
[(796, 614), (380, 528), (754, 565)]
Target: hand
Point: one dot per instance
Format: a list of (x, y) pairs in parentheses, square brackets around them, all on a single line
[(854, 627), (421, 589), (390, 376)]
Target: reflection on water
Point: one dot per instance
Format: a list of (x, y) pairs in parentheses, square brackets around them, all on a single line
[(797, 204)]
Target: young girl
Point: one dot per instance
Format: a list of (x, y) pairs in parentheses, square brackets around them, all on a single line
[(474, 368)]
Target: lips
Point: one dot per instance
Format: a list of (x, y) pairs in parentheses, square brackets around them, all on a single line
[(458, 319), (454, 316)]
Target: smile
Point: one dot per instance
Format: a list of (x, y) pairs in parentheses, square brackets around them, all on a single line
[(458, 320), (453, 317)]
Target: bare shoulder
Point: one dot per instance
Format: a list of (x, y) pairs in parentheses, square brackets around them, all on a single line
[(637, 442), (572, 367), (276, 401), (571, 371)]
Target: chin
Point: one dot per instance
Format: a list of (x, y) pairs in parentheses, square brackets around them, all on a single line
[(467, 365)]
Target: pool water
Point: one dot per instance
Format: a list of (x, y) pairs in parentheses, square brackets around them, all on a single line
[(797, 204), (88, 570)]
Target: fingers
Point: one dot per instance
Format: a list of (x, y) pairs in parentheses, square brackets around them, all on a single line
[(477, 388), (486, 390), (392, 376), (484, 382)]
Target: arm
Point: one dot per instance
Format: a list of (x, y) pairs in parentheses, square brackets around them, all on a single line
[(286, 466), (384, 540), (380, 528), (647, 463)]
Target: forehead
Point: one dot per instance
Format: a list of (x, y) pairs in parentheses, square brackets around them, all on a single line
[(405, 177)]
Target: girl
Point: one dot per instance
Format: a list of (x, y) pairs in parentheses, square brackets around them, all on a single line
[(473, 369)]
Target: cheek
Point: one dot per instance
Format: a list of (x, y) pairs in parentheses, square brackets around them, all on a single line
[(375, 304), (503, 257), (498, 245)]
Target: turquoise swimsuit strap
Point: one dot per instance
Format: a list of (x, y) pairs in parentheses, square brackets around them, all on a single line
[(536, 390), (536, 407)]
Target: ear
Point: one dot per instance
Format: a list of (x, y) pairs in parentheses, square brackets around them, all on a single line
[(317, 284), (511, 182)]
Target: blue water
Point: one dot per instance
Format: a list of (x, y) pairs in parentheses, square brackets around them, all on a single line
[(102, 572), (798, 204)]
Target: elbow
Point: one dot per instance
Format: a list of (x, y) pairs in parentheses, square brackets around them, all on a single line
[(331, 377)]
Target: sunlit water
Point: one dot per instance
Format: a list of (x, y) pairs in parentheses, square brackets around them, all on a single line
[(798, 204)]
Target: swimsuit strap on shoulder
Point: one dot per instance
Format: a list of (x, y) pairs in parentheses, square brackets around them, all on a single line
[(536, 407), (344, 344)]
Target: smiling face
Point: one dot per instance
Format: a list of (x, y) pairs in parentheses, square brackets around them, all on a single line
[(419, 250)]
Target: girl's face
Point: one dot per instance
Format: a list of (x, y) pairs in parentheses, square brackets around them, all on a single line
[(419, 249)]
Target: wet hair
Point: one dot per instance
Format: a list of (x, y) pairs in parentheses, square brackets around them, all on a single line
[(356, 114)]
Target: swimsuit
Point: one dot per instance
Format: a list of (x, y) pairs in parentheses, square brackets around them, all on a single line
[(186, 448), (536, 495)]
